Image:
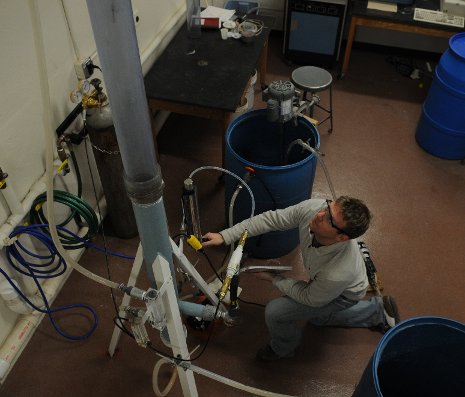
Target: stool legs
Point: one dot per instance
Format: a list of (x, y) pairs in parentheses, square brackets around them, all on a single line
[(329, 111)]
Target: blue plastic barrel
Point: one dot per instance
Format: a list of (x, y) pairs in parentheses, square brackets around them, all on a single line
[(441, 128), (284, 173), (422, 356)]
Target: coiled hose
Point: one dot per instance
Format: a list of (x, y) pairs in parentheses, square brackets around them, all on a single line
[(79, 208), (44, 266)]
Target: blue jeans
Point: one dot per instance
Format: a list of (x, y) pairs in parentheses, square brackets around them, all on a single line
[(282, 316)]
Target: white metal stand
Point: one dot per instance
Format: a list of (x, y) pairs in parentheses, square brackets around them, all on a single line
[(162, 272), (184, 263), (126, 299)]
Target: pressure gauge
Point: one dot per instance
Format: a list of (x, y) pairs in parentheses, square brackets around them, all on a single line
[(76, 96), (85, 86)]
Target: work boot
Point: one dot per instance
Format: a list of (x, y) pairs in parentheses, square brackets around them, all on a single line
[(391, 313), (266, 353)]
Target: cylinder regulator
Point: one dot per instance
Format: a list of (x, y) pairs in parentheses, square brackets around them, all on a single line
[(98, 111)]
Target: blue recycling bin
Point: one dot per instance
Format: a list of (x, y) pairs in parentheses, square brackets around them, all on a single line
[(441, 128)]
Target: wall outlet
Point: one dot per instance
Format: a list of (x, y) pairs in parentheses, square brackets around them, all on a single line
[(84, 68), (135, 14)]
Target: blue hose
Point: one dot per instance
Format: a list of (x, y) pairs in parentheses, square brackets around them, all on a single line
[(42, 270)]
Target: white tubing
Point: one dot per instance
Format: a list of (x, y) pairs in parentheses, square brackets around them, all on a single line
[(211, 375), (231, 213), (12, 200), (210, 167), (237, 385), (318, 156), (49, 138), (156, 370)]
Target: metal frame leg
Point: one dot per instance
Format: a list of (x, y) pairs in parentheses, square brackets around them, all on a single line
[(330, 108), (126, 299)]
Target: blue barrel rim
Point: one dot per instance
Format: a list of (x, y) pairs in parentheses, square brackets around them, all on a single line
[(454, 46), (451, 89), (256, 112), (446, 130), (451, 63), (408, 323)]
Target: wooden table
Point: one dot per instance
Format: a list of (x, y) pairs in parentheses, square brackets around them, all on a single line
[(361, 16), (206, 77)]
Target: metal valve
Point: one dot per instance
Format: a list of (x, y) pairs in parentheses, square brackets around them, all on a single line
[(3, 176), (62, 155)]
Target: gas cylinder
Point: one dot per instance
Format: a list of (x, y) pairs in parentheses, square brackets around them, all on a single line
[(102, 135)]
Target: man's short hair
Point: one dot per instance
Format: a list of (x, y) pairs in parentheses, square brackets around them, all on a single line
[(355, 214)]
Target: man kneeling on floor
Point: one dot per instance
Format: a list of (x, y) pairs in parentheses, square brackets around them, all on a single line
[(338, 282)]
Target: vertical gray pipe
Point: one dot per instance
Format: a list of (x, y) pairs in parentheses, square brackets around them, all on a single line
[(115, 37)]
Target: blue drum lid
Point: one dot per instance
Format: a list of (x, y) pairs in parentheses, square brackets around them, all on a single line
[(457, 44)]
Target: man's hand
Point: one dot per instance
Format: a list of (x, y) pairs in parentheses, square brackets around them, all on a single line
[(267, 276), (212, 239)]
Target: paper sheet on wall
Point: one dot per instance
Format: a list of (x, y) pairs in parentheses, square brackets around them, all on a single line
[(377, 5), (217, 12)]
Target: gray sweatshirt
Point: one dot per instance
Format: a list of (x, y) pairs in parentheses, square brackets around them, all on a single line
[(336, 269)]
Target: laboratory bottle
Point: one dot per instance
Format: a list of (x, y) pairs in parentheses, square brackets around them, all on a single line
[(193, 18)]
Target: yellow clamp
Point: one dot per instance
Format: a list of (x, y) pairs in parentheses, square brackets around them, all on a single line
[(194, 242), (3, 177), (63, 165)]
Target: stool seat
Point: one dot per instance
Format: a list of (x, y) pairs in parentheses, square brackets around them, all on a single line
[(311, 78)]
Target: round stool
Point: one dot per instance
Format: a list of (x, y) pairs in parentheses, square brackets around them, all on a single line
[(313, 79)]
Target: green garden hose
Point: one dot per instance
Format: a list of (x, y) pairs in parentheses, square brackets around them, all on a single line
[(77, 205)]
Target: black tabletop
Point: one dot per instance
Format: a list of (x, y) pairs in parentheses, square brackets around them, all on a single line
[(404, 13), (206, 71)]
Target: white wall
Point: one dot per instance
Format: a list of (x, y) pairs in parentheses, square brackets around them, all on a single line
[(67, 37)]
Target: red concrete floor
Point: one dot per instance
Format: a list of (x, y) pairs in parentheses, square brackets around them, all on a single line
[(416, 241)]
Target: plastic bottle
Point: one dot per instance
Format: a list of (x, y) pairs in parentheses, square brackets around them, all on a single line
[(194, 24)]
